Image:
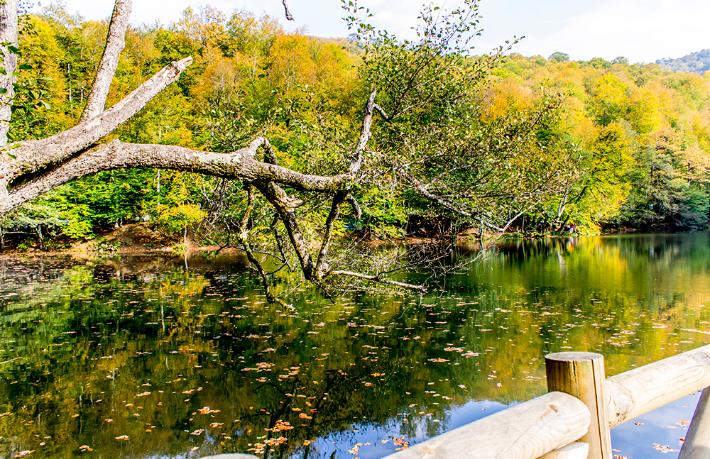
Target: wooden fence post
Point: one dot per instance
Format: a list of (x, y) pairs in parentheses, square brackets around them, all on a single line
[(697, 442), (581, 374)]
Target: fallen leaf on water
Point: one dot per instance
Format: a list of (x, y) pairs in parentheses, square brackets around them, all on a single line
[(663, 448), (207, 410), (282, 426), (401, 443), (276, 441)]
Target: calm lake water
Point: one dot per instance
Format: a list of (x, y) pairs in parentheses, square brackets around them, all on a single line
[(140, 358)]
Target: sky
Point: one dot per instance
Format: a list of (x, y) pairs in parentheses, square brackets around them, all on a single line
[(641, 30)]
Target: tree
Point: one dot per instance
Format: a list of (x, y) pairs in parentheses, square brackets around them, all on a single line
[(559, 57), (31, 168), (434, 143)]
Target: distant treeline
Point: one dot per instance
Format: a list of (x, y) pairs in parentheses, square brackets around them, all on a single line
[(635, 139), (695, 62)]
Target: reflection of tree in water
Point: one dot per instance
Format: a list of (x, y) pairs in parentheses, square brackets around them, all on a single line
[(179, 361)]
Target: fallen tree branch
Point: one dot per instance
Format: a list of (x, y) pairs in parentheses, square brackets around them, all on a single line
[(379, 280), (239, 165), (31, 156)]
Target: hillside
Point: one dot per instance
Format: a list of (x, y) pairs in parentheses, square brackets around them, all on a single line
[(598, 144), (696, 62)]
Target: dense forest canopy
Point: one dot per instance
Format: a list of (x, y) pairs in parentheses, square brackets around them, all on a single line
[(496, 142)]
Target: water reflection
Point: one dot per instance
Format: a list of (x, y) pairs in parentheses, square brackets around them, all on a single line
[(137, 358)]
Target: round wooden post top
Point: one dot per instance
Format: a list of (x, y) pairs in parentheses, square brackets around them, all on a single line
[(573, 356)]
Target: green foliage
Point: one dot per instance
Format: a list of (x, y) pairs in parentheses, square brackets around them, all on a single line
[(559, 57), (178, 218), (592, 143)]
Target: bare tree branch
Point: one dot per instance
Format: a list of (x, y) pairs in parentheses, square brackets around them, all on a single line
[(380, 280), (321, 265), (280, 243), (115, 42), (243, 236), (239, 165), (34, 155), (30, 168), (287, 11), (420, 188), (357, 210), (279, 200), (365, 134)]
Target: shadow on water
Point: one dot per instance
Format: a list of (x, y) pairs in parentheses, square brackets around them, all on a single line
[(139, 358)]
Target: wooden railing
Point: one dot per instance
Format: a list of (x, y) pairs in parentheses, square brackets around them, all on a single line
[(573, 421)]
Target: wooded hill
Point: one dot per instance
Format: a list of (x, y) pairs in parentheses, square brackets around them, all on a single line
[(695, 62), (595, 144)]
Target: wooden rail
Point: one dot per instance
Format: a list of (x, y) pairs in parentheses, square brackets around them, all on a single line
[(573, 421)]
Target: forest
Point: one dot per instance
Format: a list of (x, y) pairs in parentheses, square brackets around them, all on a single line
[(432, 229), (538, 146)]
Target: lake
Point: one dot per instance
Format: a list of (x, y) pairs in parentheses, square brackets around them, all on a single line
[(139, 357)]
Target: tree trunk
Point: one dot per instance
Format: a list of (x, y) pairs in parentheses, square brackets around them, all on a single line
[(8, 59)]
